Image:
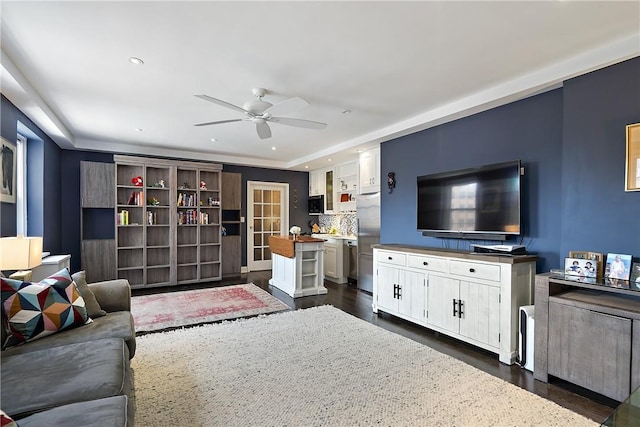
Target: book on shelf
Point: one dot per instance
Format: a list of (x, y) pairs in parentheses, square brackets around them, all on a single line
[(136, 198), (122, 218)]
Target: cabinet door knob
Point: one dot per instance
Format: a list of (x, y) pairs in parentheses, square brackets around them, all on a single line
[(425, 263), (472, 270), (390, 258)]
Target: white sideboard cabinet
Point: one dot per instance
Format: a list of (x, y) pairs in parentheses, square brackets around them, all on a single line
[(471, 297)]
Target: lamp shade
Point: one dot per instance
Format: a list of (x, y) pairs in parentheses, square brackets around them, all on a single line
[(20, 253)]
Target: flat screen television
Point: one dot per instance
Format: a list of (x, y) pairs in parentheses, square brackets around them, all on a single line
[(476, 203)]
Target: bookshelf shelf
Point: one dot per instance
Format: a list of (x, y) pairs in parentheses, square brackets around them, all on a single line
[(171, 222)]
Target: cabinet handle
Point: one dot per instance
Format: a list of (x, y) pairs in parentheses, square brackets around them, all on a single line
[(390, 258), (455, 310), (425, 263), (472, 270), (399, 292), (461, 306), (395, 291)]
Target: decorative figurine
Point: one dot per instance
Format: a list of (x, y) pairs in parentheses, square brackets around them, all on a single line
[(137, 181), (203, 185)]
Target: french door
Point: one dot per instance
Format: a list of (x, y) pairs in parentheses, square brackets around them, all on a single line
[(267, 215)]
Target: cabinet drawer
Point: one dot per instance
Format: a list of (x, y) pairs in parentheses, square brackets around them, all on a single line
[(475, 270), (428, 263), (394, 258)]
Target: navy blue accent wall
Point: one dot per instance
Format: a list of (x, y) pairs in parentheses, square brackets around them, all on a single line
[(571, 142), (597, 214), (298, 194)]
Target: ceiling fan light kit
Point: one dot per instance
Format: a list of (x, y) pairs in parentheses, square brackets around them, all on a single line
[(261, 112)]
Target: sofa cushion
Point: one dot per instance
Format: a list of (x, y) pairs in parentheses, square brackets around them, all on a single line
[(110, 411), (93, 307), (35, 310), (64, 375), (118, 324)]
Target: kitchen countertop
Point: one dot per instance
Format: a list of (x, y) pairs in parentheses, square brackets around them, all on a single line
[(333, 236), (284, 245)]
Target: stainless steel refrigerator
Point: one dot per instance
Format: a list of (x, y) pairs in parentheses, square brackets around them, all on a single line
[(368, 212)]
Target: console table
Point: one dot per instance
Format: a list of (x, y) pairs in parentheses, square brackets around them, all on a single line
[(50, 265), (472, 297), (587, 332)]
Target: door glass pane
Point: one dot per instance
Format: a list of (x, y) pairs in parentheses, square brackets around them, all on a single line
[(267, 196), (257, 254), (257, 239), (267, 224), (257, 224), (257, 210), (276, 211), (267, 253), (257, 196), (267, 211)]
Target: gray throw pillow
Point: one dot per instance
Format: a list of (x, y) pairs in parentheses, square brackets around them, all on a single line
[(91, 303)]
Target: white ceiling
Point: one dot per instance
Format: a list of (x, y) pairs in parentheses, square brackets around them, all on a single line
[(398, 66)]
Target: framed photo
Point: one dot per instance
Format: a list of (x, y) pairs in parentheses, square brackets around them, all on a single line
[(632, 171), (634, 279), (8, 173), (578, 254), (618, 266), (599, 258), (580, 267)]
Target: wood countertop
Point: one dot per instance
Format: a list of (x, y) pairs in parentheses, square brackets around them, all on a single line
[(285, 245)]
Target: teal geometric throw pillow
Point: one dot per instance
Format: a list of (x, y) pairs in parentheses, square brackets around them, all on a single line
[(35, 310)]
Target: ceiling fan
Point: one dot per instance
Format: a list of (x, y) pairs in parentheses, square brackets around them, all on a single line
[(261, 112)]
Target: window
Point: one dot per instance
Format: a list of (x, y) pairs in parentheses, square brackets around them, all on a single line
[(21, 186)]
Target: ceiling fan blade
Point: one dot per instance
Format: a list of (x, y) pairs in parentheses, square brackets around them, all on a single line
[(263, 129), (224, 104), (287, 106), (308, 124), (218, 122)]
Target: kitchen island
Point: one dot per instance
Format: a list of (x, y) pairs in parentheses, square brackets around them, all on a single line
[(297, 265)]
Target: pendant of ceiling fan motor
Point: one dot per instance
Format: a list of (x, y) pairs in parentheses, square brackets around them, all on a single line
[(257, 106)]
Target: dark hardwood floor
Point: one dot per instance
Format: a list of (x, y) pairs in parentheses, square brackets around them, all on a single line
[(358, 303)]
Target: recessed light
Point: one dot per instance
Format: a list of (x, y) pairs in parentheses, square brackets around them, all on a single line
[(359, 150), (330, 160), (213, 140), (306, 166), (136, 61), (273, 148), (138, 130), (347, 111)]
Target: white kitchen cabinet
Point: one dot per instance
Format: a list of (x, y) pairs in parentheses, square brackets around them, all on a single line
[(471, 297), (316, 182), (334, 260), (346, 186), (369, 171)]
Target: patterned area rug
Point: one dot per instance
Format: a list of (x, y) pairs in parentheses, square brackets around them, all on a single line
[(186, 308), (320, 367)]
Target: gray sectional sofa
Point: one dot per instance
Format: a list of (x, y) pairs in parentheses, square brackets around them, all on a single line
[(79, 376)]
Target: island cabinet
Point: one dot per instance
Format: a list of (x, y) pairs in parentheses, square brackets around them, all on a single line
[(471, 297), (297, 265), (588, 333)]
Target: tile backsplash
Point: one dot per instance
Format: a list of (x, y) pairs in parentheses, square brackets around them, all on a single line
[(346, 224)]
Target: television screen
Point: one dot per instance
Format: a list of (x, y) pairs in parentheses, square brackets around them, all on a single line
[(479, 200)]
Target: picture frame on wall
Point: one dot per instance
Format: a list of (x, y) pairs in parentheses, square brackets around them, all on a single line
[(632, 169), (8, 172)]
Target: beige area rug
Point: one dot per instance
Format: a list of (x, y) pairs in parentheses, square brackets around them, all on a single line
[(186, 308), (320, 367)]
